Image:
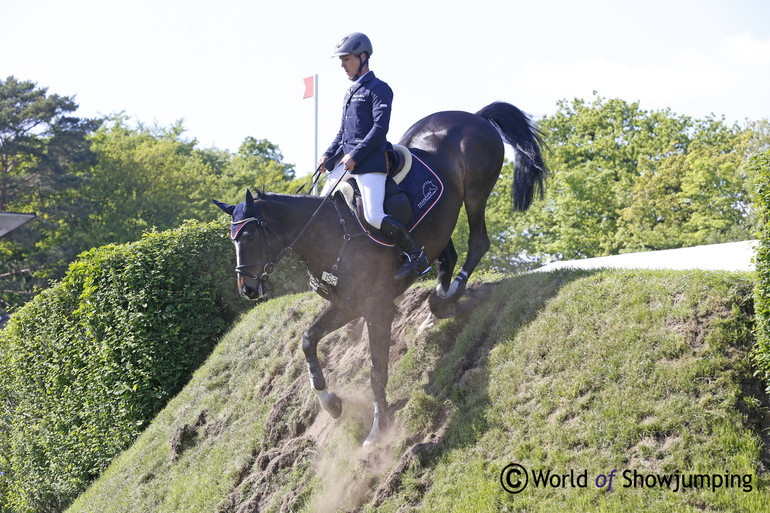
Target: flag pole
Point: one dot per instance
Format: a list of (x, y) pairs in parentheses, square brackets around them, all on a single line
[(315, 162)]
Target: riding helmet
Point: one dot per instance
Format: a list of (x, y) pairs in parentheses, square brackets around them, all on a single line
[(355, 43)]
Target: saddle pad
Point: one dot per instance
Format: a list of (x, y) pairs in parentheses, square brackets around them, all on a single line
[(423, 187)]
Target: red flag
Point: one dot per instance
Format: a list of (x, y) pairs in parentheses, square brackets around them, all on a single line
[(308, 87)]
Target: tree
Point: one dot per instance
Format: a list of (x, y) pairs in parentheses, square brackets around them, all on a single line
[(258, 163), (43, 155), (697, 197), (625, 179), (37, 140), (152, 178), (99, 182), (142, 178)]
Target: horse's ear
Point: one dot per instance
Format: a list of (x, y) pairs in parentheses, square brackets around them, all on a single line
[(251, 207), (224, 206)]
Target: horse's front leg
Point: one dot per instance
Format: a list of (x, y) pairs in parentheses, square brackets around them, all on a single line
[(331, 318), (379, 328)]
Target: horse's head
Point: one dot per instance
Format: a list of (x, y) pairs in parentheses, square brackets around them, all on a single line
[(256, 246)]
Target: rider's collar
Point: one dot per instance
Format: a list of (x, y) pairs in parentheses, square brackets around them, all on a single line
[(359, 79)]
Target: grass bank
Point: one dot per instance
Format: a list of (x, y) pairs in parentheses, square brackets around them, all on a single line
[(571, 375)]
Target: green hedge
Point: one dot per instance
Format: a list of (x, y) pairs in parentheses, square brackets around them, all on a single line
[(87, 364), (760, 165)]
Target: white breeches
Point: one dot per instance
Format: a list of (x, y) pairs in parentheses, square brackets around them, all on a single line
[(372, 187)]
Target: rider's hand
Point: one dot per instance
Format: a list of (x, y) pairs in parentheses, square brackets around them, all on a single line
[(321, 163), (348, 162)]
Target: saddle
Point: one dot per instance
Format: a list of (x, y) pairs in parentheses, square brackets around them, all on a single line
[(399, 162), (408, 196), (397, 203)]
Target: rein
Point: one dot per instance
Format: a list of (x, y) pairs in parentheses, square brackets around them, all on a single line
[(315, 178)]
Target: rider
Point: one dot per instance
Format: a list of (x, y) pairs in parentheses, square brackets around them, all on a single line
[(361, 142)]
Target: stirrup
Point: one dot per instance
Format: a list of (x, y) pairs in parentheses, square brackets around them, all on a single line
[(412, 265)]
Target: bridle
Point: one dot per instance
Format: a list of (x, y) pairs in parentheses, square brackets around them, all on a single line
[(269, 267)]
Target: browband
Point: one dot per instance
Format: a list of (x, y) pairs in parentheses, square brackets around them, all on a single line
[(237, 226)]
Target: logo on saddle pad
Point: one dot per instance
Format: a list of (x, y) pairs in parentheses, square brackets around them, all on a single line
[(429, 189)]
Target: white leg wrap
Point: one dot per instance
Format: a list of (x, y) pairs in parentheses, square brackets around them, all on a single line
[(324, 396), (461, 278)]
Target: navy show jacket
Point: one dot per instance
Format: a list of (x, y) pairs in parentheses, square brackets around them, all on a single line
[(364, 128)]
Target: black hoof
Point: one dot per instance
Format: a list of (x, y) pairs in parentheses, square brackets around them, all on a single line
[(333, 405), (331, 402)]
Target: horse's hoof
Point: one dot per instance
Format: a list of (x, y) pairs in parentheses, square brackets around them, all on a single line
[(334, 406), (330, 401)]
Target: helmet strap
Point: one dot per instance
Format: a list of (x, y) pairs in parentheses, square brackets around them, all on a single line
[(361, 64)]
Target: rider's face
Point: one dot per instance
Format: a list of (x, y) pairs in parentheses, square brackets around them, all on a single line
[(350, 63)]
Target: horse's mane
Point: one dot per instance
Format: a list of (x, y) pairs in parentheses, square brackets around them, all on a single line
[(287, 198)]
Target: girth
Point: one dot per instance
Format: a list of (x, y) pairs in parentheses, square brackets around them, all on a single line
[(328, 280)]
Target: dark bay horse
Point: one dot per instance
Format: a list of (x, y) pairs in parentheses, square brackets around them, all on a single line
[(466, 150)]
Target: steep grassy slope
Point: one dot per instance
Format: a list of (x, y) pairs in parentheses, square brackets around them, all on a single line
[(644, 373)]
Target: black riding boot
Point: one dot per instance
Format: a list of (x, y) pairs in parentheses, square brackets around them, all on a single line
[(415, 261)]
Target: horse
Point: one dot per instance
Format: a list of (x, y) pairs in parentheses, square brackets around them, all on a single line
[(355, 275)]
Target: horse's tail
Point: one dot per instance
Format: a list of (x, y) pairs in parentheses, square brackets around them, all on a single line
[(518, 130)]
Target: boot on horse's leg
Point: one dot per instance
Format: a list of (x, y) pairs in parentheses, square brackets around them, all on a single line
[(379, 377), (380, 424), (331, 318), (415, 261), (379, 349)]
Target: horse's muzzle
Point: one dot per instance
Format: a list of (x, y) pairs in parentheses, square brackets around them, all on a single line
[(252, 289), (253, 286)]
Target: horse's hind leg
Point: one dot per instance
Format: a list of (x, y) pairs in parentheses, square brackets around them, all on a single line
[(441, 301), (478, 242), (331, 318), (447, 260)]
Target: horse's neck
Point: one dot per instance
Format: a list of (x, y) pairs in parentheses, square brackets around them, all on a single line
[(292, 215)]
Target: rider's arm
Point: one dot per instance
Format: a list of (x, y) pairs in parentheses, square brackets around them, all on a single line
[(381, 102)]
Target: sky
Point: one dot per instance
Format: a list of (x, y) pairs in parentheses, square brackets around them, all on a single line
[(231, 69)]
